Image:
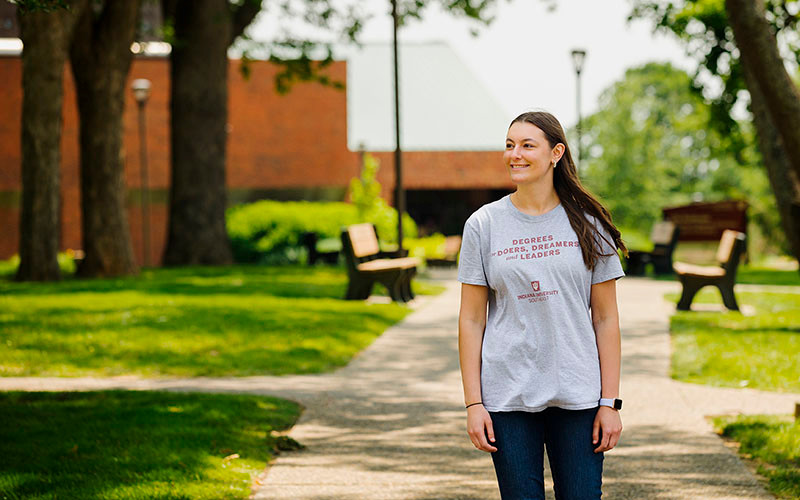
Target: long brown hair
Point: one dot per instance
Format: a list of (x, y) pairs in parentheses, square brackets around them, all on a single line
[(575, 199)]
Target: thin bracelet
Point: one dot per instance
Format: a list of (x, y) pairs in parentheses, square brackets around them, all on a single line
[(473, 404)]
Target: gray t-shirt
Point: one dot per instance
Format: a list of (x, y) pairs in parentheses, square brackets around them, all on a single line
[(539, 346)]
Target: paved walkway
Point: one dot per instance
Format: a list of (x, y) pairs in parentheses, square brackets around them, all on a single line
[(390, 425)]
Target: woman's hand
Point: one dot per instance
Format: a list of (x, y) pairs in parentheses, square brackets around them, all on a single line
[(479, 427), (608, 421)]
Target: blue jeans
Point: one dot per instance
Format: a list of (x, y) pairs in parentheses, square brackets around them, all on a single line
[(521, 437)]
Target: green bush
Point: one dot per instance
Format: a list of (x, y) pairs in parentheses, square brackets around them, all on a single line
[(635, 239), (429, 247), (66, 261), (271, 231)]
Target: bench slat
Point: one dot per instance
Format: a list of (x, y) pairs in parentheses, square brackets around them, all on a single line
[(362, 237), (662, 232), (726, 246), (693, 270), (381, 264)]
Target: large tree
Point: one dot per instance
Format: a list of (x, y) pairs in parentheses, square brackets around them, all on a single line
[(775, 97), (706, 29), (101, 56), (45, 30), (649, 147), (201, 33), (758, 47)]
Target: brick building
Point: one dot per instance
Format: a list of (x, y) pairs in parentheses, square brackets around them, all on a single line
[(280, 147)]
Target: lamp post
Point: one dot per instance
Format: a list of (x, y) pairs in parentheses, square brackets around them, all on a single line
[(400, 194), (141, 91), (578, 57)]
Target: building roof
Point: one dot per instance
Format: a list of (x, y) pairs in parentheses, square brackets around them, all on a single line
[(443, 106)]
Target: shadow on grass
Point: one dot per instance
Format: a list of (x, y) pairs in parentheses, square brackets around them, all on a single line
[(729, 349), (200, 321), (136, 444), (773, 443), (211, 338), (289, 281), (277, 281)]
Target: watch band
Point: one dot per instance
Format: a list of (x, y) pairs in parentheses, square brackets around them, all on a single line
[(611, 403)]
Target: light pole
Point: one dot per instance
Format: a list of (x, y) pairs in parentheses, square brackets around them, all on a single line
[(141, 91), (399, 194), (578, 56)]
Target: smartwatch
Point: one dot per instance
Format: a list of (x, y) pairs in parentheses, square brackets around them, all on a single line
[(611, 403)]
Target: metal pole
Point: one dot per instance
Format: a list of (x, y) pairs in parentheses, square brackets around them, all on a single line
[(580, 124), (400, 194), (145, 190)]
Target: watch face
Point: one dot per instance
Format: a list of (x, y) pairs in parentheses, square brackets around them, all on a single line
[(618, 404)]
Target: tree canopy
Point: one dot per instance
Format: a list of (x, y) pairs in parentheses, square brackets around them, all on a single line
[(718, 33), (649, 146)]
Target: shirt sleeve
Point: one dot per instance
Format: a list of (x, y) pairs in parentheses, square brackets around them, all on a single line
[(471, 268), (608, 267)]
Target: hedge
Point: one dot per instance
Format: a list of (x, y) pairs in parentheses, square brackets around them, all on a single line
[(271, 231)]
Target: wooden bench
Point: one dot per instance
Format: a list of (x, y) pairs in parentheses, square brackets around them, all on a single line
[(693, 278), (665, 237), (452, 245), (365, 267), (310, 240)]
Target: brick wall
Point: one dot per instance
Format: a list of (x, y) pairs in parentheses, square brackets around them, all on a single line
[(275, 142)]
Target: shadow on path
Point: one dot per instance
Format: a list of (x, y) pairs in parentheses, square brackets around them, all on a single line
[(391, 424)]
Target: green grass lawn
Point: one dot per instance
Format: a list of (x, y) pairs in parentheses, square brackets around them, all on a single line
[(773, 442), (202, 321), (747, 275), (136, 445), (242, 320), (759, 351), (765, 276), (729, 349)]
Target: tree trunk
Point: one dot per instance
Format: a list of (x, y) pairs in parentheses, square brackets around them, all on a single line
[(785, 184), (199, 118), (759, 54), (204, 29), (45, 36), (101, 58)]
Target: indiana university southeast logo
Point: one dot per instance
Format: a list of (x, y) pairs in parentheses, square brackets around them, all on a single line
[(538, 294)]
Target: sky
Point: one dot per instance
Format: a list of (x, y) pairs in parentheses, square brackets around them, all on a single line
[(523, 57)]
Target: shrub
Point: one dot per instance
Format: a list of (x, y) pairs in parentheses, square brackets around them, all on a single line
[(365, 194), (429, 247), (271, 231)]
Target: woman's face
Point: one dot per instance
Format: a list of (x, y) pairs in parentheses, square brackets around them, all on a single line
[(528, 156)]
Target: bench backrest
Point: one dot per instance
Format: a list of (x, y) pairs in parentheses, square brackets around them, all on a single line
[(359, 244), (363, 240), (663, 232), (731, 248)]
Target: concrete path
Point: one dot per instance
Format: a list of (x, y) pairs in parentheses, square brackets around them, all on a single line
[(390, 425)]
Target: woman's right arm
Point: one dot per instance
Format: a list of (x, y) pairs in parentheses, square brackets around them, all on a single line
[(471, 325)]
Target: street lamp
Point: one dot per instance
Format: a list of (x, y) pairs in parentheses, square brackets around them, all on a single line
[(400, 194), (141, 91), (578, 57)]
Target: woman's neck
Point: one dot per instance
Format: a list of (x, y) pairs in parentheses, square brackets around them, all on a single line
[(535, 199)]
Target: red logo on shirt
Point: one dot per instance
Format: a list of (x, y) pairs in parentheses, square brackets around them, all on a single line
[(538, 294)]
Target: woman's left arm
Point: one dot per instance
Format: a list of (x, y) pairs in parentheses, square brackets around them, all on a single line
[(605, 319)]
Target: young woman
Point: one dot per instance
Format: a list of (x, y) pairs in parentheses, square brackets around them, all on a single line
[(542, 370)]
